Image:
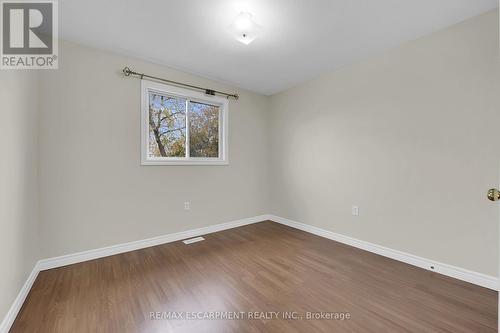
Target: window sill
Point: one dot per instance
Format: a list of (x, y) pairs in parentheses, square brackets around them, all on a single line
[(184, 162)]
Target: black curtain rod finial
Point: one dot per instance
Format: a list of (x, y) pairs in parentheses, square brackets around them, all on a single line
[(126, 71)]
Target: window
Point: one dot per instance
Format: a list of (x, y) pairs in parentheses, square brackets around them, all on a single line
[(182, 127)]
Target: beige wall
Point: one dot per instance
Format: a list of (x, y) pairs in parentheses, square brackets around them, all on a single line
[(18, 182), (410, 136), (95, 193)]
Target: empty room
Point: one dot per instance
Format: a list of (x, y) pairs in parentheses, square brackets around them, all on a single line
[(249, 166)]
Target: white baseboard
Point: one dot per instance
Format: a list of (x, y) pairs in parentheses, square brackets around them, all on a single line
[(69, 259), (44, 264), (18, 302), (445, 269)]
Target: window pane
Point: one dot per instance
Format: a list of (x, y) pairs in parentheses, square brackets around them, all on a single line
[(203, 130), (167, 126)]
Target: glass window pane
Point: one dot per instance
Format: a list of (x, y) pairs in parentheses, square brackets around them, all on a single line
[(167, 126), (203, 130)]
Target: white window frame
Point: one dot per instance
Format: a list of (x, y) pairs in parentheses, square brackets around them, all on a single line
[(149, 86)]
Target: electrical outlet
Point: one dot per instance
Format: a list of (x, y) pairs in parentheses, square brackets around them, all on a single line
[(355, 210), (187, 205)]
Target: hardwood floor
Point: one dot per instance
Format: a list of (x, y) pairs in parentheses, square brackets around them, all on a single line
[(264, 267)]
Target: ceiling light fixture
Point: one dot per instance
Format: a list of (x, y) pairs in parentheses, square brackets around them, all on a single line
[(244, 28)]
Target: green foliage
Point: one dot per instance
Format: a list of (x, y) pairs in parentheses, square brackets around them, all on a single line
[(204, 130)]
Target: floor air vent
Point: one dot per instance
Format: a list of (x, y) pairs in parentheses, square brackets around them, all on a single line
[(193, 240)]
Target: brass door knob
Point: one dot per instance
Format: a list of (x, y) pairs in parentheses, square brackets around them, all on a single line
[(493, 194)]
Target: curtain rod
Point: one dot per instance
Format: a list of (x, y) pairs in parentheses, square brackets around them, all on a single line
[(128, 72)]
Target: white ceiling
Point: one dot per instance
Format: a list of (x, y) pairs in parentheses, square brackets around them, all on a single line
[(300, 38)]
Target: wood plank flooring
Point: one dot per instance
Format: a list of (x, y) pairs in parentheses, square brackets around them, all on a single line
[(260, 269)]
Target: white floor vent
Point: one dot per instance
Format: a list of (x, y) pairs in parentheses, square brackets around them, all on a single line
[(193, 240)]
